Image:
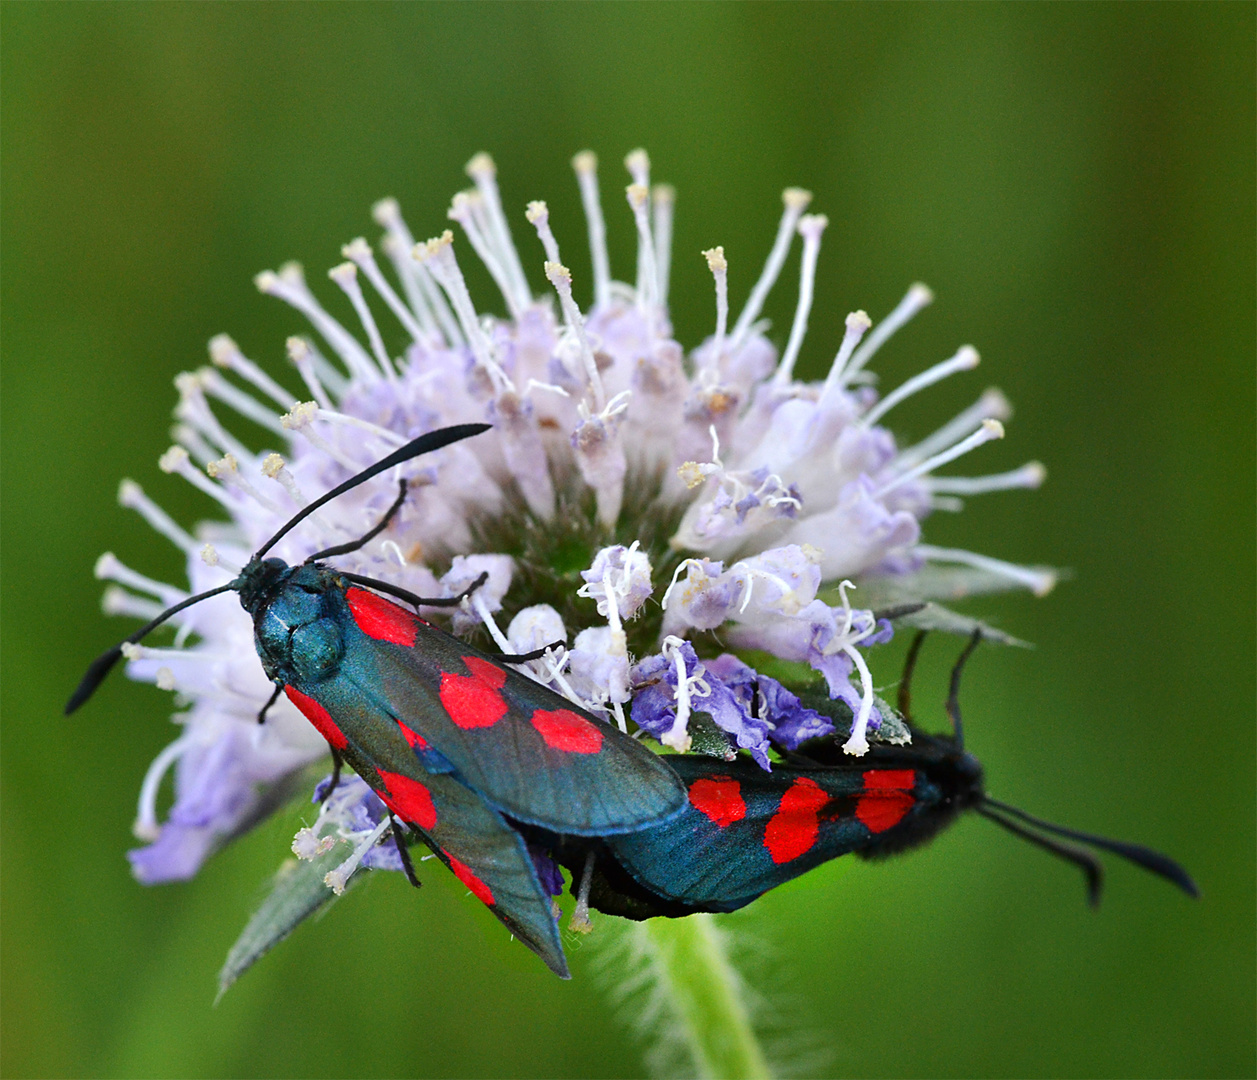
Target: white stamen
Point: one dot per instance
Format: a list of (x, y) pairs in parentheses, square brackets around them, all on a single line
[(486, 616), (810, 228), (720, 271), (463, 209), (225, 353), (132, 496), (990, 429), (346, 276), (301, 419), (1039, 580), (192, 441), (175, 460), (273, 468), (211, 557), (390, 438), (1030, 475), (538, 216), (677, 737), (215, 385), (359, 251), (647, 271), (638, 164), (796, 200), (338, 879), (676, 574), (117, 601), (424, 297), (438, 256), (917, 297), (663, 202), (302, 357), (534, 384), (194, 409), (858, 744), (561, 278), (858, 323), (146, 827), (484, 174), (586, 166), (227, 471), (966, 359), (110, 568), (289, 285), (992, 405)]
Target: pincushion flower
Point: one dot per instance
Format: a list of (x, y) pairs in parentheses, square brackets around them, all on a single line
[(664, 514)]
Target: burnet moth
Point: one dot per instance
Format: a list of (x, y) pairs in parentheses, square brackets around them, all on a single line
[(458, 745), (745, 831)]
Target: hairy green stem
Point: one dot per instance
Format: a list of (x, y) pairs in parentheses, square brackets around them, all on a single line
[(705, 990)]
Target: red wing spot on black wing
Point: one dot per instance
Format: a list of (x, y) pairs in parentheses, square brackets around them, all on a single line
[(318, 716), (886, 799), (793, 829), (473, 701), (408, 799), (381, 619), (479, 889), (565, 730), (417, 741), (719, 798)]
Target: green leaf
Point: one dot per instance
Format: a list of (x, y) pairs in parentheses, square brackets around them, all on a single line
[(297, 893)]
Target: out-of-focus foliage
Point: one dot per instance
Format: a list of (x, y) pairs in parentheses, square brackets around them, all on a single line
[(1075, 182)]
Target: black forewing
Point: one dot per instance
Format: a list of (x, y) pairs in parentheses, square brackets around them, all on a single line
[(619, 787), (465, 830)]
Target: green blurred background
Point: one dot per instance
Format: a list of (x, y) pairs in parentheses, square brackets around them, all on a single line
[(1076, 182)]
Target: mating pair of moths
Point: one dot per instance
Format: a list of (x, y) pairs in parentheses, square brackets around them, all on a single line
[(478, 760)]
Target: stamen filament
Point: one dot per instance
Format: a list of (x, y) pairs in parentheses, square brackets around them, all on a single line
[(131, 496), (225, 353), (966, 359), (719, 268), (585, 165), (1039, 580), (359, 252), (796, 200), (990, 429), (992, 405), (663, 202), (346, 276), (916, 298), (810, 228), (1030, 475)]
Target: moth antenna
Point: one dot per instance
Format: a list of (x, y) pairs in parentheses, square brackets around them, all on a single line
[(1161, 865), (425, 444), (103, 664), (364, 540), (1085, 861), (905, 683), (953, 696)]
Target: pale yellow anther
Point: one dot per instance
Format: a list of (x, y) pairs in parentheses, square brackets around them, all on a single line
[(266, 281), (172, 460), (225, 466), (221, 349), (557, 272), (188, 383), (131, 651), (859, 320), (302, 414), (209, 555), (691, 474), (796, 198), (638, 196), (585, 162), (426, 249), (165, 679), (272, 466), (663, 193), (293, 273), (343, 274), (481, 165), (637, 161), (129, 493), (536, 211), (813, 224), (716, 260), (298, 349), (356, 249), (386, 212)]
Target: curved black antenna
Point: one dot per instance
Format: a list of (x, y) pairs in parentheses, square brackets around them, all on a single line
[(1086, 862), (1154, 861), (363, 541), (103, 664), (953, 696), (425, 444)]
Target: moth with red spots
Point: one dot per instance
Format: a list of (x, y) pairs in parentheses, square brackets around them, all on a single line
[(745, 831), (459, 746)]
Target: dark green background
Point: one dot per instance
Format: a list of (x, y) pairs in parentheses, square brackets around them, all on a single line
[(1074, 181)]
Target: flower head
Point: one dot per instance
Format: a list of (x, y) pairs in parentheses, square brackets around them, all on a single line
[(647, 507)]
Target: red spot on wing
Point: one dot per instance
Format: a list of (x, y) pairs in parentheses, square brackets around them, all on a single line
[(793, 829), (416, 740), (886, 799), (381, 619), (318, 716), (408, 799), (719, 798), (479, 889), (473, 700), (565, 730)]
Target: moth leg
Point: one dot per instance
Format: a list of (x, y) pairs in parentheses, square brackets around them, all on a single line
[(580, 917), (404, 852), (905, 683), (953, 697), (337, 764), (362, 541), (269, 702), (411, 598), (536, 654)]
